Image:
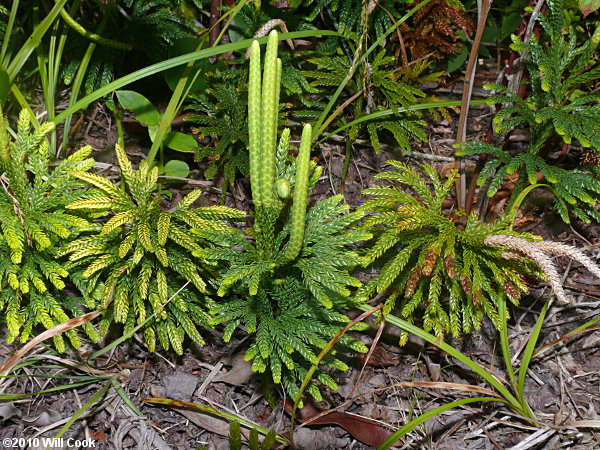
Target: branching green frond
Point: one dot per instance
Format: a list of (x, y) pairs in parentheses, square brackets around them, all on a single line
[(574, 190), (291, 329), (432, 265), (144, 252), (290, 282), (34, 225)]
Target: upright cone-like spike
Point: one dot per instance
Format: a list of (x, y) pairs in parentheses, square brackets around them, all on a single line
[(300, 195), (270, 96), (254, 122)]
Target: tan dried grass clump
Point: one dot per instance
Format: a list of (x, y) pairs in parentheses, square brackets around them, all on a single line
[(537, 252)]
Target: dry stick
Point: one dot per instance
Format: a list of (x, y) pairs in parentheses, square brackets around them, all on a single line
[(366, 10), (5, 183), (332, 342), (371, 350), (215, 15), (442, 385), (514, 83), (543, 349), (480, 163), (461, 132), (417, 155), (60, 328), (399, 34), (491, 438)]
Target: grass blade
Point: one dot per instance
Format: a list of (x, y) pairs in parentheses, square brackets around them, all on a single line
[(528, 353), (62, 387), (33, 41), (125, 397), (428, 415), (502, 312), (87, 405), (395, 111), (212, 411), (178, 61), (500, 388)]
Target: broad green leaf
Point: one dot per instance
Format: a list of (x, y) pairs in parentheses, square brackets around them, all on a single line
[(4, 84), (490, 34), (181, 142), (176, 168), (144, 111), (181, 47), (510, 23), (458, 60)]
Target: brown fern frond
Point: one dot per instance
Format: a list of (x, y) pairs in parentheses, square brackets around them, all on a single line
[(435, 30)]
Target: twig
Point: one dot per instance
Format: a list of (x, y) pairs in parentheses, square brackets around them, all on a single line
[(461, 133), (536, 438), (371, 350), (60, 328), (514, 80), (412, 154)]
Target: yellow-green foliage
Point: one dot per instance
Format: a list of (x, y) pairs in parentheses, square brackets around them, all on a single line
[(435, 266), (142, 254), (34, 223)]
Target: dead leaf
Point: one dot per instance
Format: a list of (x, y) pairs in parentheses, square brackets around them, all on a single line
[(379, 358), (57, 329), (8, 411), (98, 435), (306, 438), (197, 416), (180, 385), (366, 430), (239, 374)]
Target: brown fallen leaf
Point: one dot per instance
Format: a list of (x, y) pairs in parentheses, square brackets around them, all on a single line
[(367, 431), (239, 374), (98, 435), (379, 358)]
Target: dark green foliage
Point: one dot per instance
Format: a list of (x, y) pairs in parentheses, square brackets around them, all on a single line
[(291, 277), (346, 15), (576, 190), (235, 438), (294, 307), (154, 24), (557, 106), (139, 253), (292, 327), (221, 113), (34, 223), (149, 26), (4, 12), (388, 88), (433, 266)]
